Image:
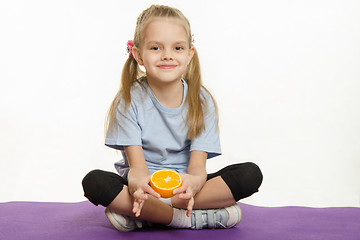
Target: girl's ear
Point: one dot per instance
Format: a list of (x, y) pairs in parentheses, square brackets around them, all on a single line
[(191, 53), (136, 54)]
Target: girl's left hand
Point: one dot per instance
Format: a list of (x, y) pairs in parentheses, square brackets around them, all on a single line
[(192, 184)]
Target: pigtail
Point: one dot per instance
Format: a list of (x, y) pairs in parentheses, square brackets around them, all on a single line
[(195, 119), (195, 116), (129, 76)]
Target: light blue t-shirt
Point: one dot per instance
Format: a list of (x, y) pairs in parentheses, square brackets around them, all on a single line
[(161, 131)]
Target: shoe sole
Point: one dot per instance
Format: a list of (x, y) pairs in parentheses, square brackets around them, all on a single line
[(235, 215), (116, 223)]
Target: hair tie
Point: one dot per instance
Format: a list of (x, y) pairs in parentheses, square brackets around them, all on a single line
[(130, 45)]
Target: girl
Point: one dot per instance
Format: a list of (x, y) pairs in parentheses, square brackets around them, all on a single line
[(165, 118)]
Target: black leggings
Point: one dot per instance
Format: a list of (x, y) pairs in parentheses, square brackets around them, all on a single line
[(243, 179)]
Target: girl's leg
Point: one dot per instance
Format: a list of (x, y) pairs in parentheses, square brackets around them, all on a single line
[(226, 187), (214, 194), (110, 190), (154, 210), (222, 189)]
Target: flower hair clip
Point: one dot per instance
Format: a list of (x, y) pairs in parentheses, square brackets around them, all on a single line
[(130, 45)]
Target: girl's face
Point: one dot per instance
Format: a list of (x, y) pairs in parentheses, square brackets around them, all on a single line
[(165, 51)]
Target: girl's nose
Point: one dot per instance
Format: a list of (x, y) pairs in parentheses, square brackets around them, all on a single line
[(167, 55)]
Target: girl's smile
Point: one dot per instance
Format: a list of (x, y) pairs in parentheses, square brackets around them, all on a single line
[(167, 66)]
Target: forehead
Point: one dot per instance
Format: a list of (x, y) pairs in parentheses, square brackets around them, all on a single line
[(164, 29)]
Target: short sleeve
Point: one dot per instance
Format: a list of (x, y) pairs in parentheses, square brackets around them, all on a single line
[(209, 140), (126, 130)]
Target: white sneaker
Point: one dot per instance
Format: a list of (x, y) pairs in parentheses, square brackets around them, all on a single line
[(216, 218), (124, 223)]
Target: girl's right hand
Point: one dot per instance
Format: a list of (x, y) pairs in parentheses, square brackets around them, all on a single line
[(139, 188)]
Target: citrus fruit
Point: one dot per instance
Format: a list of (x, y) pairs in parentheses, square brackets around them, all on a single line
[(165, 181)]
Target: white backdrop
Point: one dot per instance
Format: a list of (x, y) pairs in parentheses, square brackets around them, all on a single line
[(286, 75)]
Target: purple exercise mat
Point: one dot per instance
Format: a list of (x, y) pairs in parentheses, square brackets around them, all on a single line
[(59, 221)]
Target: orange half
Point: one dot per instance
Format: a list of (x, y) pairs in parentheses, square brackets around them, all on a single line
[(165, 182)]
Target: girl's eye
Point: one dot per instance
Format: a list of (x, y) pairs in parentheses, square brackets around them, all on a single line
[(155, 48), (178, 48)]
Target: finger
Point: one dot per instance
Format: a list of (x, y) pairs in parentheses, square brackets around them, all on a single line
[(190, 206), (137, 206), (152, 192), (180, 190), (186, 196), (140, 208), (140, 195), (139, 198)]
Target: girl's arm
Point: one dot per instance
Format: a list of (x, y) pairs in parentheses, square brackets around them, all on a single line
[(138, 178), (194, 180)]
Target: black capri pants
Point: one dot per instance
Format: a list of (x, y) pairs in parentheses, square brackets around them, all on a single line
[(243, 179)]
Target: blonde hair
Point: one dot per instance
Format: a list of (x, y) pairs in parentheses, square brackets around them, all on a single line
[(132, 73)]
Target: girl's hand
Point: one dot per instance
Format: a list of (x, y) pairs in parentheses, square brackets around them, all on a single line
[(138, 178), (192, 184), (194, 180), (139, 188)]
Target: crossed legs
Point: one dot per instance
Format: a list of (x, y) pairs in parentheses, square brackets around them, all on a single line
[(221, 190), (154, 210)]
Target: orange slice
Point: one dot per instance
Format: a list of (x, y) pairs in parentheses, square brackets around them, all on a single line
[(165, 182)]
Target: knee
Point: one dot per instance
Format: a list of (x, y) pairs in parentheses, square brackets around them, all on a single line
[(92, 186), (254, 173), (92, 180), (101, 187), (247, 178)]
